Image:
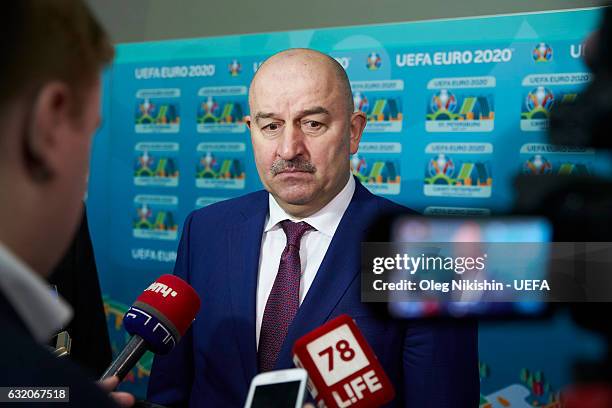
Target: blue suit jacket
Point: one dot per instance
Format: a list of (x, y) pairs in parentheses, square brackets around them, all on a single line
[(431, 364)]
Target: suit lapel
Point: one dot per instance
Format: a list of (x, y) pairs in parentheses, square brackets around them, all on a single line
[(340, 266), (244, 247)]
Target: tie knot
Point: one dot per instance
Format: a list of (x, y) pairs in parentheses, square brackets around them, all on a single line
[(294, 231)]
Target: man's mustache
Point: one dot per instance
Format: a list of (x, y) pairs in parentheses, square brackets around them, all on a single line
[(297, 164)]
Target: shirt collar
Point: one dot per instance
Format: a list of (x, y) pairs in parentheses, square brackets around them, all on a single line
[(325, 220), (42, 312)]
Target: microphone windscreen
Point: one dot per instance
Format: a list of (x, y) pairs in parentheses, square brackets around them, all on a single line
[(163, 312)]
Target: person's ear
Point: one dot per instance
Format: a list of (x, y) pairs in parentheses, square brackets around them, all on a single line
[(247, 120), (358, 124), (45, 137)]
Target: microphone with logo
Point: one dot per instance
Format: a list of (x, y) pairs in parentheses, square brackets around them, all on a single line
[(343, 370), (157, 320)]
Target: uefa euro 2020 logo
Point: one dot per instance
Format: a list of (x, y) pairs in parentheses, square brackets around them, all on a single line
[(443, 104), (537, 165), (542, 53), (361, 102), (538, 102), (441, 168), (234, 68), (374, 61)]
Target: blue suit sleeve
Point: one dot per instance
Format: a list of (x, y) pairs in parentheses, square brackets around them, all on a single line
[(172, 375), (441, 364)]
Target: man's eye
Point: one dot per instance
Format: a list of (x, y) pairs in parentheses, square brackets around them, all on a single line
[(312, 124), (272, 126)]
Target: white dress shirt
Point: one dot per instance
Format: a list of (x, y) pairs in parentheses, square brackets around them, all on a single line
[(42, 312), (313, 246)]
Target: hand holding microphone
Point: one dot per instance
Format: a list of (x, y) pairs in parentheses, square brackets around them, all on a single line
[(342, 368), (123, 399)]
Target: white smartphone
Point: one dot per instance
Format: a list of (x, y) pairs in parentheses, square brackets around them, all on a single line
[(278, 389)]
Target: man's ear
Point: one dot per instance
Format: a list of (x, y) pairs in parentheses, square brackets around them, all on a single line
[(50, 118), (247, 120), (358, 124)]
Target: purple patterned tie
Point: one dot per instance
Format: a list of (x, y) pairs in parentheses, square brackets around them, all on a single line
[(284, 299)]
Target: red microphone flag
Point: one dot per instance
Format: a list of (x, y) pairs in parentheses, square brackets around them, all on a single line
[(173, 299), (342, 368)]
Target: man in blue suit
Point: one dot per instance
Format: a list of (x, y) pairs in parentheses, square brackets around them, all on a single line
[(273, 265)]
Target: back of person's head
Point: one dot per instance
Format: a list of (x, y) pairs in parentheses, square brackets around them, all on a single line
[(53, 52), (47, 40)]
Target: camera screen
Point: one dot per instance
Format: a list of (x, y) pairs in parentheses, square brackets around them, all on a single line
[(495, 231)]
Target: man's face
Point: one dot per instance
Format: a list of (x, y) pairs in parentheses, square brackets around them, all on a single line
[(302, 135)]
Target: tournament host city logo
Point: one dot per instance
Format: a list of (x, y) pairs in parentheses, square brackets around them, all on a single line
[(463, 112), (542, 158), (234, 68), (384, 113), (542, 53), (380, 176), (154, 223), (155, 169), (156, 115), (539, 165), (448, 177), (373, 62), (218, 170), (221, 115)]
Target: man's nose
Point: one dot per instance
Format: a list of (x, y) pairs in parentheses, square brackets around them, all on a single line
[(292, 143)]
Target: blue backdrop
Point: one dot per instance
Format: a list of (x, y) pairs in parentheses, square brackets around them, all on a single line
[(456, 108)]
